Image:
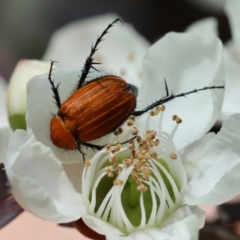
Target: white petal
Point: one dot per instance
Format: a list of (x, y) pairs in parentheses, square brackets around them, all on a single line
[(183, 225), (5, 134), (204, 27), (41, 106), (100, 226), (187, 62), (216, 177), (38, 181), (232, 85), (232, 62), (185, 212), (120, 53), (73, 172), (191, 154), (232, 10)]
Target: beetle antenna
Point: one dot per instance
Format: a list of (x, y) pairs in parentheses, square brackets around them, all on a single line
[(89, 61), (170, 97), (53, 87)]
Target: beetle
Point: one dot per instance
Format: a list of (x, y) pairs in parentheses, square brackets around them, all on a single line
[(98, 107)]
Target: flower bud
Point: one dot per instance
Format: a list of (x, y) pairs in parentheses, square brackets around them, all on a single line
[(16, 95)]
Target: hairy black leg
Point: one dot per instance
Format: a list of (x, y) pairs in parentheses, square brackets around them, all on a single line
[(80, 150), (89, 61), (170, 97), (53, 87), (166, 87)]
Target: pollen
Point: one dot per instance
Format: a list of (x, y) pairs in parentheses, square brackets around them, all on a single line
[(113, 148), (157, 110), (118, 131), (134, 131), (173, 155), (142, 188), (113, 158), (87, 163), (131, 145), (141, 153), (131, 121), (177, 119), (118, 182)]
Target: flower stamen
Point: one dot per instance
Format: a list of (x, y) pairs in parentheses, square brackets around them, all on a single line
[(131, 121), (178, 121), (146, 173)]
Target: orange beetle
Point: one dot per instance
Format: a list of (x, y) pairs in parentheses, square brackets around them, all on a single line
[(93, 111), (97, 107)]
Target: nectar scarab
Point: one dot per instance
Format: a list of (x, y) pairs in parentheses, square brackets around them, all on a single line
[(104, 103), (98, 107)]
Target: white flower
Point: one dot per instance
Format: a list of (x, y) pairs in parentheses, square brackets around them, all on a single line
[(170, 186), (60, 192), (208, 27)]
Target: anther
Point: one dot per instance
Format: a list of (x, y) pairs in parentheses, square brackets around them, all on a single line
[(153, 155), (115, 167), (173, 155), (113, 158), (87, 163), (138, 181), (131, 145), (138, 139), (155, 142), (118, 131), (140, 155), (177, 119), (145, 147), (146, 173), (134, 175), (133, 153), (118, 182), (153, 134), (157, 110), (136, 162), (134, 131), (108, 170), (131, 121), (142, 188), (127, 161), (107, 147)]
